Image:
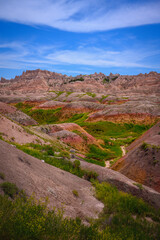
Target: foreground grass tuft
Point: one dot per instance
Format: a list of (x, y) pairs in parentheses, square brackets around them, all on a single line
[(125, 215), (123, 218)]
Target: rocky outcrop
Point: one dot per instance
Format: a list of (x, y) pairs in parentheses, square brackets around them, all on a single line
[(16, 115), (39, 81)]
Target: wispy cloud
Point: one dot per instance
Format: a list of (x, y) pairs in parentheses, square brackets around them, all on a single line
[(28, 56), (81, 15)]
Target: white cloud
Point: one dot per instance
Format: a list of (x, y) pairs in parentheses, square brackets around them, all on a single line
[(29, 56), (80, 15), (101, 58)]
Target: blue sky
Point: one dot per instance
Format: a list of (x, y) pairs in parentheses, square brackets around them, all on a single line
[(79, 37)]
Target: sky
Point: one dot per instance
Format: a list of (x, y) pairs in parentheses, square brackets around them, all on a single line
[(79, 36)]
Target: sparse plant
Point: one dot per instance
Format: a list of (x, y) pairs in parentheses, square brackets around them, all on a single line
[(9, 189), (75, 193), (144, 146), (139, 185), (76, 164), (2, 175)]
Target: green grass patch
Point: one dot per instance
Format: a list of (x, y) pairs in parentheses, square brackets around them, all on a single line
[(46, 153), (28, 219), (68, 93), (115, 130), (2, 175), (45, 116), (98, 154), (123, 218), (103, 97), (78, 118), (123, 134), (42, 116), (91, 94), (124, 215), (10, 189)]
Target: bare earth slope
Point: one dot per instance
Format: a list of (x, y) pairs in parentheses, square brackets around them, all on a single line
[(44, 180), (142, 162)]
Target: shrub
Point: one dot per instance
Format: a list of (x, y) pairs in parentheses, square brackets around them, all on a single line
[(2, 175), (9, 189), (76, 164), (144, 146), (75, 193), (29, 219)]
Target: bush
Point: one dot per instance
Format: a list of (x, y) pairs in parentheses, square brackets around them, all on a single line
[(2, 175), (76, 163), (9, 189), (75, 193), (29, 219)]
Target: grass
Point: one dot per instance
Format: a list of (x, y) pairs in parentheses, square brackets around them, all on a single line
[(115, 130), (113, 135), (46, 153), (2, 175), (26, 218), (124, 215), (91, 94), (42, 116), (78, 118), (77, 79), (123, 134), (29, 219), (10, 189), (75, 193), (98, 154), (103, 97)]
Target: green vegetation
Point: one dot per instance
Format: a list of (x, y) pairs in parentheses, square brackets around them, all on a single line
[(76, 164), (103, 97), (77, 79), (29, 219), (138, 185), (123, 218), (91, 94), (94, 161), (124, 215), (10, 189), (59, 93), (46, 153), (106, 80), (114, 135), (2, 175), (146, 146), (78, 118), (45, 116), (114, 130), (114, 78), (68, 93), (98, 154), (75, 193), (42, 116)]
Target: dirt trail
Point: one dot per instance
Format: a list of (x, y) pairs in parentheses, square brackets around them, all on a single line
[(123, 150)]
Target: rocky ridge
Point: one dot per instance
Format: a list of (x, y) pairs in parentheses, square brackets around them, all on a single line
[(42, 80)]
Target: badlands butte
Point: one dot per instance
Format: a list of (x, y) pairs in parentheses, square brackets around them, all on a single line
[(58, 132)]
